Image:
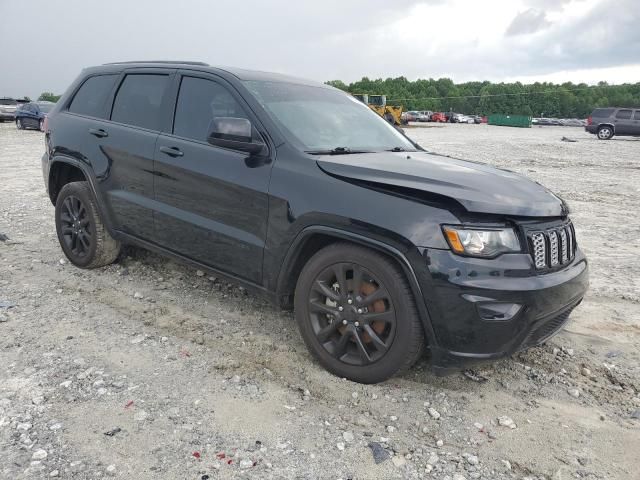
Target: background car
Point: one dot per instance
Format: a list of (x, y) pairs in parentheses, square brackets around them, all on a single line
[(32, 115), (7, 109), (607, 122), (438, 117), (426, 115), (414, 116)]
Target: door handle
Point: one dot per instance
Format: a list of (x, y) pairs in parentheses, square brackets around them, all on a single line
[(172, 151), (98, 132)]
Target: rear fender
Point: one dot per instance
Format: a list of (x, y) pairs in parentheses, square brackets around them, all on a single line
[(91, 180)]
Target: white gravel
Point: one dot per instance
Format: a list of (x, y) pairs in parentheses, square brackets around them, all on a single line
[(193, 378)]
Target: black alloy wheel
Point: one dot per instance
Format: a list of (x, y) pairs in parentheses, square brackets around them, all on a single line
[(81, 232), (76, 227), (352, 314), (357, 313)]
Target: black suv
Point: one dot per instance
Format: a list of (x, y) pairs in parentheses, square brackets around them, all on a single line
[(299, 191), (607, 122)]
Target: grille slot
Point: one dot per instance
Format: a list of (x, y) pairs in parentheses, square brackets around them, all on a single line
[(552, 247), (546, 330)]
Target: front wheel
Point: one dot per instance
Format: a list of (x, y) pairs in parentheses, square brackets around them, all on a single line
[(19, 124), (605, 132), (357, 314), (41, 125), (82, 235)]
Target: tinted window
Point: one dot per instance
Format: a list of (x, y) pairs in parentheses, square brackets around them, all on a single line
[(623, 114), (7, 101), (138, 100), (602, 112), (199, 101), (92, 94), (637, 115)]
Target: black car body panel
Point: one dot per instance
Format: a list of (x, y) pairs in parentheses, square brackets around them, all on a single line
[(255, 218), (477, 187)]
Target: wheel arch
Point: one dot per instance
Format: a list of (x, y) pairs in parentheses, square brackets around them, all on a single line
[(610, 125), (312, 239), (64, 170)]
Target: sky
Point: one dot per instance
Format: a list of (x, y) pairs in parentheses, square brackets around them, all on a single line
[(46, 43)]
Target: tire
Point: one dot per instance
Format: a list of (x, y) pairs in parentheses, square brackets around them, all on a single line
[(605, 132), (19, 124), (77, 216), (369, 331), (41, 125), (389, 118)]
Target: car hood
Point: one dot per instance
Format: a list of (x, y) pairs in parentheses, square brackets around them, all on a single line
[(477, 187)]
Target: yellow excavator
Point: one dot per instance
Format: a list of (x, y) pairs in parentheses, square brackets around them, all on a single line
[(378, 103)]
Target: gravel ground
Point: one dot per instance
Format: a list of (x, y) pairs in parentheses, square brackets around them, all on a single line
[(148, 369)]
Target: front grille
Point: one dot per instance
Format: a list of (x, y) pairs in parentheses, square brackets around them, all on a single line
[(552, 247)]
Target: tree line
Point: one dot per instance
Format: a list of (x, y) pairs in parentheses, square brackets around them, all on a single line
[(540, 99)]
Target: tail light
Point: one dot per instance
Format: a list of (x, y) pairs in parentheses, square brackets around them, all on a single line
[(589, 120)]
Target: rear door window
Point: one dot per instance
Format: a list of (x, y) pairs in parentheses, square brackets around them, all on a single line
[(602, 112), (139, 99), (199, 101), (623, 114), (90, 99)]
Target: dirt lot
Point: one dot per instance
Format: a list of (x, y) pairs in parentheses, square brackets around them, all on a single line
[(150, 370)]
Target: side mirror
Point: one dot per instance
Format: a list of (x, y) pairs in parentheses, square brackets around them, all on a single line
[(233, 133)]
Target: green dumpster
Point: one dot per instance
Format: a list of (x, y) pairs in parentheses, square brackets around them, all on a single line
[(510, 120)]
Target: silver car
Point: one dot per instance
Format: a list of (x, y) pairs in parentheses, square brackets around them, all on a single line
[(8, 108)]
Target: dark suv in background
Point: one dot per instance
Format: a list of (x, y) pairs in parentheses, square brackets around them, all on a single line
[(607, 122), (299, 191), (32, 115)]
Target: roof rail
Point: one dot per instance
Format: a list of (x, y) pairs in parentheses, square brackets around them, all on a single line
[(160, 61)]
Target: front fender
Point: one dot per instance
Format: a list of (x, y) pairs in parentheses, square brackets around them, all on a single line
[(288, 268)]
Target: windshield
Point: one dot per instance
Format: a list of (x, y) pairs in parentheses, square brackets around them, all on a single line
[(46, 107), (321, 119), (7, 101)]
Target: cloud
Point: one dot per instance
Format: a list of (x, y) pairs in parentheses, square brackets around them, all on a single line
[(332, 39), (527, 22)]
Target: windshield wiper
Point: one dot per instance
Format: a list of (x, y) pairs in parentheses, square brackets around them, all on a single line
[(336, 151)]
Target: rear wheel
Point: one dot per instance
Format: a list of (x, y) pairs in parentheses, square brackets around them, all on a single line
[(605, 132), (389, 118), (357, 314), (82, 235), (41, 125)]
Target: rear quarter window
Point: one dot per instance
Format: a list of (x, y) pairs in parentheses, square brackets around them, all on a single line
[(602, 112), (91, 97), (637, 115)]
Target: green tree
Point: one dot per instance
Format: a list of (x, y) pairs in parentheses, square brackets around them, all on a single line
[(48, 97), (567, 100)]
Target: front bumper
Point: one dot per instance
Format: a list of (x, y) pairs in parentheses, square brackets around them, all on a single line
[(460, 290)]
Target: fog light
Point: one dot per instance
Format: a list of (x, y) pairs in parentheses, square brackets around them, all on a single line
[(498, 311)]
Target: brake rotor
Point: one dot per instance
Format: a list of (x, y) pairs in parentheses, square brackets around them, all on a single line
[(376, 307)]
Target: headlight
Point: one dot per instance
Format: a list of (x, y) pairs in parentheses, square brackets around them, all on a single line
[(481, 242)]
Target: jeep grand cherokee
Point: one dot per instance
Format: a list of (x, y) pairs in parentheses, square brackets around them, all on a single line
[(299, 191)]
